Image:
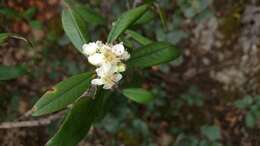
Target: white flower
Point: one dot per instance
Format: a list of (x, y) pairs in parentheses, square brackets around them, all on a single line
[(125, 55), (108, 59), (120, 67), (97, 82), (89, 49), (118, 49), (107, 81), (105, 70), (96, 59)]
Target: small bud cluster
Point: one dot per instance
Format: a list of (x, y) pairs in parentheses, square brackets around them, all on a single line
[(108, 60)]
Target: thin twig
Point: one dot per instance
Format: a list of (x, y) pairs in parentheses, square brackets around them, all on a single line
[(26, 115), (31, 123)]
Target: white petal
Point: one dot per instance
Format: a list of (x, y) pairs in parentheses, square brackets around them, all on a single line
[(96, 59), (125, 55), (106, 69), (118, 49), (89, 49), (108, 86), (99, 72), (97, 82), (99, 44), (117, 77)]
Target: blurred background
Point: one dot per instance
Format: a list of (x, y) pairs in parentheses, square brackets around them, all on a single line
[(207, 97)]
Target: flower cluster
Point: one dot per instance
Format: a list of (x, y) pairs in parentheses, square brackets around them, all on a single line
[(108, 60)]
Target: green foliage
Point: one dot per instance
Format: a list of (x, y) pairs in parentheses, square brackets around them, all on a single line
[(126, 20), (153, 54), (139, 38), (29, 13), (191, 8), (63, 94), (138, 95), (3, 37), (89, 15), (252, 106), (86, 13), (244, 103), (193, 96), (75, 18), (145, 18), (211, 132), (9, 13), (36, 24), (74, 27), (250, 119), (77, 122), (11, 72)]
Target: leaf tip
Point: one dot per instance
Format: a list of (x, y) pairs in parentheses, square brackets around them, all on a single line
[(51, 90), (34, 111)]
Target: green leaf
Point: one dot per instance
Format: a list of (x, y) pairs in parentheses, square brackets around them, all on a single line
[(162, 16), (153, 54), (29, 13), (192, 8), (11, 72), (125, 20), (9, 13), (74, 27), (36, 24), (90, 16), (63, 94), (139, 38), (211, 132), (138, 95), (250, 119), (244, 103), (87, 14), (3, 37), (146, 17), (77, 123)]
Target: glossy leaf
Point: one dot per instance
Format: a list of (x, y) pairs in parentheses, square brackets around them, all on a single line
[(125, 20), (63, 94), (11, 72), (153, 54), (86, 13), (138, 95), (77, 122), (139, 38), (146, 17), (75, 27), (89, 15)]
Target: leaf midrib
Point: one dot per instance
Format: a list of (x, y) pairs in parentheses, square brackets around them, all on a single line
[(58, 96), (146, 54), (76, 24)]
